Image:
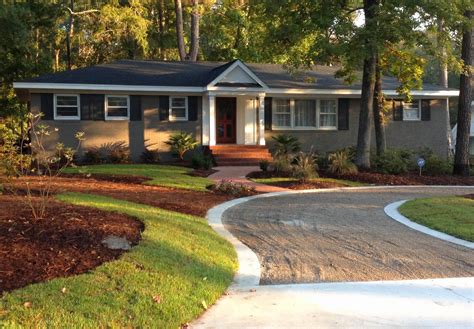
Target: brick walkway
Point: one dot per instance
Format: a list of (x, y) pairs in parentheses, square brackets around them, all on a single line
[(237, 175)]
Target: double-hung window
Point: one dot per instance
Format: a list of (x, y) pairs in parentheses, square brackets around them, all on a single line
[(327, 113), (282, 113), (117, 107), (66, 107), (304, 113), (178, 109), (412, 111)]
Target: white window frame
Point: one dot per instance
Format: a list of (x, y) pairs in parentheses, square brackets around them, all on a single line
[(61, 117), (274, 113), (292, 114), (419, 110), (171, 108), (106, 106)]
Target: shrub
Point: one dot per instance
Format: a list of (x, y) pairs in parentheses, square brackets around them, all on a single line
[(434, 165), (201, 161), (285, 145), (341, 164), (181, 142), (233, 189), (282, 164), (112, 152), (322, 161), (305, 167), (393, 162), (263, 164), (150, 156)]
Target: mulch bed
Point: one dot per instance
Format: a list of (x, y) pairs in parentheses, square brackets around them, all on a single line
[(371, 178), (405, 179), (184, 201), (64, 243), (469, 196), (110, 178)]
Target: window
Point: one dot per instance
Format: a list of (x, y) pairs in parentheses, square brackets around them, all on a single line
[(328, 113), (304, 114), (66, 107), (411, 111), (117, 107), (282, 113), (178, 109)]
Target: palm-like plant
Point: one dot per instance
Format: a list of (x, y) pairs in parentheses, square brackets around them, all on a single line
[(181, 142), (305, 167), (286, 145)]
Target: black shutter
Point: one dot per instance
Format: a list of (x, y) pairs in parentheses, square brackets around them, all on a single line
[(192, 108), (47, 106), (268, 113), (343, 114), (164, 107), (135, 108), (92, 107), (397, 111), (425, 110), (86, 111)]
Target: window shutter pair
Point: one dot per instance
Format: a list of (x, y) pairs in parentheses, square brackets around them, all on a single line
[(164, 107), (425, 110)]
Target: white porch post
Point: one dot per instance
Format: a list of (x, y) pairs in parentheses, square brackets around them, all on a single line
[(261, 119), (212, 120)]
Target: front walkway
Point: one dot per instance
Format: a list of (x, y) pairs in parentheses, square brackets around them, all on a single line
[(237, 174), (437, 303)]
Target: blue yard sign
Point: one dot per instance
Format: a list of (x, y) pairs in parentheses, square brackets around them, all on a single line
[(421, 163)]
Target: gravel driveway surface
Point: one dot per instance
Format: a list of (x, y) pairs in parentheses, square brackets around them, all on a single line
[(344, 236)]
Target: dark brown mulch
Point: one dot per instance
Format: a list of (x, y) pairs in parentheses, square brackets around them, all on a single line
[(184, 201), (404, 179), (202, 172), (469, 196), (308, 185), (382, 179), (64, 243), (110, 178)]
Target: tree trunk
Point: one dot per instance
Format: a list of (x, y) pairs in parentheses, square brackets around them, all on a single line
[(380, 140), (443, 82), (195, 18), (368, 84), (161, 30), (461, 157), (179, 29), (69, 32)]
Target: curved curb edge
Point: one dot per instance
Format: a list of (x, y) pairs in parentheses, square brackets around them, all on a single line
[(391, 211), (248, 274)]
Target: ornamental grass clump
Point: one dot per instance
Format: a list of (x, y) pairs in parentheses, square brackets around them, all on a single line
[(305, 167), (340, 164)]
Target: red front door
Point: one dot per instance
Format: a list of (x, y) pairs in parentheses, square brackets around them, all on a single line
[(226, 120)]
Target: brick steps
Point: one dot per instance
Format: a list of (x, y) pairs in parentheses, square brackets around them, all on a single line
[(240, 155)]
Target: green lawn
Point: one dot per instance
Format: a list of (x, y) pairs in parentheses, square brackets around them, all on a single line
[(180, 258), (276, 180), (162, 175), (451, 215)]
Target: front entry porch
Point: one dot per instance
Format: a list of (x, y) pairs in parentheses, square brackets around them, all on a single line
[(233, 119)]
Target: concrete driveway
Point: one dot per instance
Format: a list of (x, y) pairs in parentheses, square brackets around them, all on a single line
[(344, 236)]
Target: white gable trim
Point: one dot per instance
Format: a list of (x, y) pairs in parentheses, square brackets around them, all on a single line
[(242, 66)]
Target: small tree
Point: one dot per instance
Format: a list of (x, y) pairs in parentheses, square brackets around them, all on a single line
[(181, 142), (24, 156)]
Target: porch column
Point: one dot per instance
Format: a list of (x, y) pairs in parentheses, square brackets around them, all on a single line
[(212, 120), (261, 119)]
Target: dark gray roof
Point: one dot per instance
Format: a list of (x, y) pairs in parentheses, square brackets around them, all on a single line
[(200, 74)]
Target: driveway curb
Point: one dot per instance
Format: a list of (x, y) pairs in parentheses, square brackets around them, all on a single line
[(391, 211)]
